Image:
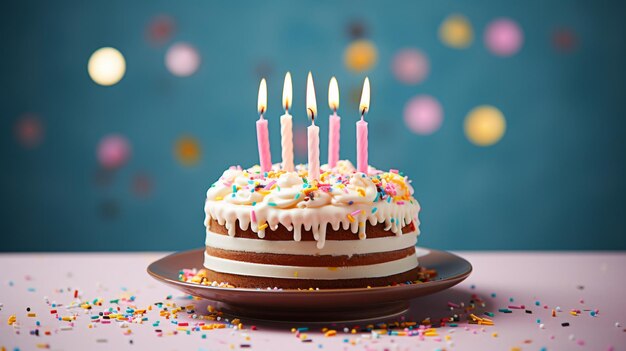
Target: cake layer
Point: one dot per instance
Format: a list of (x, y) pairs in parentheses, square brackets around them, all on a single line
[(243, 281), (317, 273), (341, 247), (311, 260)]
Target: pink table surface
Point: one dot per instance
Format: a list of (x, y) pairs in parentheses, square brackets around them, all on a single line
[(571, 280)]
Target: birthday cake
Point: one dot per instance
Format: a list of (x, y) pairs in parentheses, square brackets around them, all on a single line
[(308, 227), (278, 229)]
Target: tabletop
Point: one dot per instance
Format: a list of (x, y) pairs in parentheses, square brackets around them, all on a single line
[(536, 301)]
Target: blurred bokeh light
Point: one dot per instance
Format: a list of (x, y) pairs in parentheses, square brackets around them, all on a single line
[(109, 209), (504, 37), (456, 31), (160, 30), (143, 184), (410, 66), (357, 29), (485, 125), (360, 55), (182, 59), (29, 130), (423, 115), (564, 40), (113, 151), (106, 66), (299, 142), (187, 150)]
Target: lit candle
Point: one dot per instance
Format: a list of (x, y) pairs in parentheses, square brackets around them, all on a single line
[(361, 129), (313, 131), (334, 123), (262, 134), (286, 132)]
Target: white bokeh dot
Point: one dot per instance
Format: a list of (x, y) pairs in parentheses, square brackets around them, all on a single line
[(106, 66)]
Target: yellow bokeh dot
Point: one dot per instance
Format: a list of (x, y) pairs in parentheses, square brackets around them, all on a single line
[(187, 151), (360, 55), (106, 66), (485, 125), (456, 31)]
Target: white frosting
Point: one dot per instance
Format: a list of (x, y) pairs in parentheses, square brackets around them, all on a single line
[(332, 247), (300, 272), (343, 198)]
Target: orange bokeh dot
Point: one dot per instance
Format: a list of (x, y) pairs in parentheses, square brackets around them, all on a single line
[(187, 151), (360, 55)]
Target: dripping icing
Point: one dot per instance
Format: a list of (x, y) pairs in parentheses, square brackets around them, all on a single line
[(285, 198)]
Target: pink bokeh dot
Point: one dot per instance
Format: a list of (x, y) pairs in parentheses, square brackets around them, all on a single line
[(423, 114), (504, 37), (410, 66), (300, 141), (142, 184), (113, 151), (29, 130), (160, 29), (564, 39), (182, 59)]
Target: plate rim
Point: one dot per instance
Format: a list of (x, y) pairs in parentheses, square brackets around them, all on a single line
[(457, 278)]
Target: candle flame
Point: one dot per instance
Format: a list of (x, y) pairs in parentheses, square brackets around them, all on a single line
[(364, 106), (333, 94), (287, 92), (311, 104), (262, 102)]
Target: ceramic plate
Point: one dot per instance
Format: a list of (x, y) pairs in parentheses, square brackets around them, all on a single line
[(337, 305)]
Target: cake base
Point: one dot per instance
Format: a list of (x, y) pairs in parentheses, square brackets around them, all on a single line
[(243, 281)]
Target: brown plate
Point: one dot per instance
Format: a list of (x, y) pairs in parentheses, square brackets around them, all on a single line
[(328, 305)]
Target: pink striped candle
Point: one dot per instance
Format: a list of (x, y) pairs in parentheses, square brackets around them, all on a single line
[(286, 129), (361, 130), (262, 133), (313, 131), (314, 151), (334, 123), (361, 146)]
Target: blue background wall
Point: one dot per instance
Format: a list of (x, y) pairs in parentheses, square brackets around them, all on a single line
[(555, 180)]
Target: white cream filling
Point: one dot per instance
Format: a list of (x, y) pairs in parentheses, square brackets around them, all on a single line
[(332, 247), (299, 272)]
